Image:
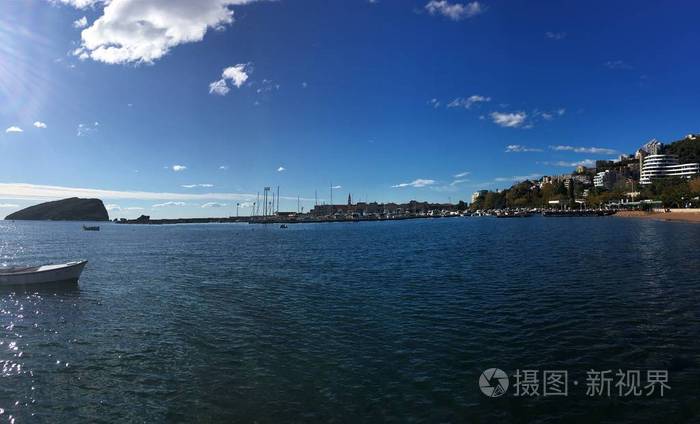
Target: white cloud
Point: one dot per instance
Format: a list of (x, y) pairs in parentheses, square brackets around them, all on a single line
[(14, 129), (39, 124), (138, 31), (617, 64), (223, 167), (435, 103), (8, 205), (454, 11), (87, 129), (219, 87), (80, 23), (78, 4), (452, 187), (510, 120), (469, 101), (23, 191), (416, 183), (214, 205), (555, 35), (337, 187), (592, 150), (517, 148), (462, 174), (564, 164), (281, 169), (237, 75), (266, 86), (166, 204), (518, 178), (178, 168), (197, 185), (548, 115), (112, 207)]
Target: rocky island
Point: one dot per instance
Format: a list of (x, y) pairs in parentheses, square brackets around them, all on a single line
[(73, 209)]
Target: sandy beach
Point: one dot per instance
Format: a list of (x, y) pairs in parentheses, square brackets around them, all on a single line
[(662, 216)]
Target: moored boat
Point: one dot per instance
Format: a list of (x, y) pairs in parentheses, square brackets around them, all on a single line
[(519, 214), (56, 273), (91, 228)]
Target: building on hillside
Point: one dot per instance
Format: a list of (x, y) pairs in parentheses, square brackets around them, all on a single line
[(477, 194), (661, 166), (626, 165), (606, 179), (653, 147), (624, 157), (578, 179), (582, 179), (555, 179)]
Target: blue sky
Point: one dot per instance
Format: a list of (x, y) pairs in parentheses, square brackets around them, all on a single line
[(178, 108)]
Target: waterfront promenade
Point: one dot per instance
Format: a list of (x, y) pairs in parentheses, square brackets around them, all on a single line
[(675, 215)]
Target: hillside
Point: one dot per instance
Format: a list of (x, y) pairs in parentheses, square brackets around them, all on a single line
[(687, 149), (73, 209)]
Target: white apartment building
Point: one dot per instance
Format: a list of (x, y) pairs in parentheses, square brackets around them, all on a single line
[(605, 179), (660, 166), (477, 194)]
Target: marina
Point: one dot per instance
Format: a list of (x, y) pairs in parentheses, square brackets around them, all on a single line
[(311, 219)]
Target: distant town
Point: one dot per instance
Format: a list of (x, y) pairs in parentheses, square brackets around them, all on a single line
[(654, 176)]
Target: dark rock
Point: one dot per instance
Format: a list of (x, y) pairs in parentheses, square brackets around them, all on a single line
[(73, 209)]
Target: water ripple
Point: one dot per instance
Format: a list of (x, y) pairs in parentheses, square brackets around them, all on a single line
[(347, 323)]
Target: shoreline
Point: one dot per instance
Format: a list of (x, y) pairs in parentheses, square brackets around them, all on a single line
[(272, 220), (688, 217)]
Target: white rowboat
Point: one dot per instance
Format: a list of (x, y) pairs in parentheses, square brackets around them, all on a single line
[(68, 272)]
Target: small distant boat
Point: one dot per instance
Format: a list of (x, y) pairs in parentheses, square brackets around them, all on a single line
[(91, 228), (514, 215), (57, 273), (283, 226)]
